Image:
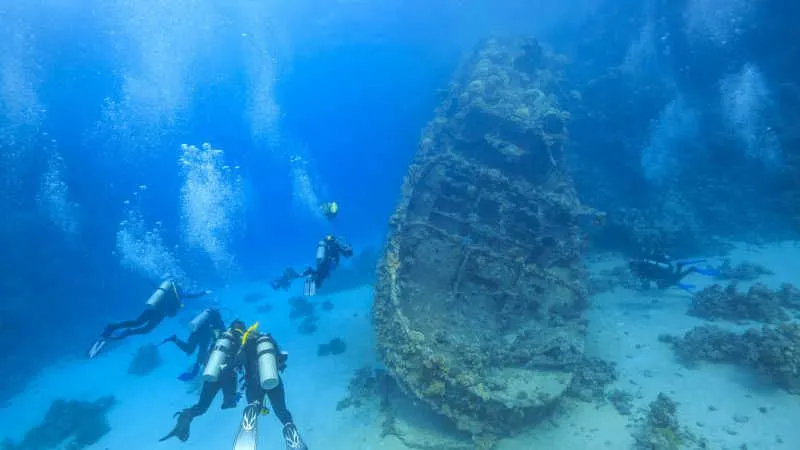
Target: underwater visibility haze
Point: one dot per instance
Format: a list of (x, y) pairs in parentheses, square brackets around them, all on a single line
[(399, 224)]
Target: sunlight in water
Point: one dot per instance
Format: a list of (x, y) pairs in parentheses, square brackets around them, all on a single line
[(305, 191), (670, 134), (747, 105), (21, 111), (159, 42), (260, 44), (718, 21), (54, 197)]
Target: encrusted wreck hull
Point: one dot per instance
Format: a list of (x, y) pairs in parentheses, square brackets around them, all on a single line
[(480, 287)]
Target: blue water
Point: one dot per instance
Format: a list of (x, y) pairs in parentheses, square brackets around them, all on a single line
[(314, 101)]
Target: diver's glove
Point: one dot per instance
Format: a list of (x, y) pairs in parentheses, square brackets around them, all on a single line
[(186, 376)]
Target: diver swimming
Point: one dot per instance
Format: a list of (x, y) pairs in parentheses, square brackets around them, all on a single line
[(658, 268), (205, 328), (166, 301), (257, 355), (330, 210), (330, 250)]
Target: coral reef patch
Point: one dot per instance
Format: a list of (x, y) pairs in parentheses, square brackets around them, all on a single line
[(759, 303), (771, 350), (744, 271), (145, 360), (336, 346), (661, 429), (67, 425)]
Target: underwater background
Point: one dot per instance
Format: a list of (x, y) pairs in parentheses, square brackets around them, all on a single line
[(682, 130)]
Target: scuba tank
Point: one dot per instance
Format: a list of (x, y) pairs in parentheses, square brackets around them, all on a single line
[(225, 347), (321, 251), (267, 356), (200, 319), (164, 289)]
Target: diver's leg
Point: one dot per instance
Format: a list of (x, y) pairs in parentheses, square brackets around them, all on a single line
[(228, 384), (185, 417), (189, 346), (153, 318), (277, 398), (253, 390), (137, 322)]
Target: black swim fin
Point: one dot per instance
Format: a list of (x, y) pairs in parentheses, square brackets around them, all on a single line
[(181, 430)]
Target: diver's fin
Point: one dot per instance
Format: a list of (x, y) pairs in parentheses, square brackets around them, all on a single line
[(687, 262), (187, 376), (309, 286), (292, 438), (247, 437), (96, 347), (707, 271), (181, 430)]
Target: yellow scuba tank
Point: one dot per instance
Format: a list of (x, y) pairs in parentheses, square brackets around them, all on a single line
[(165, 289), (267, 356)]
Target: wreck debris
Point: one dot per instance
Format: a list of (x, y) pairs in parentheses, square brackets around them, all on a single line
[(480, 288)]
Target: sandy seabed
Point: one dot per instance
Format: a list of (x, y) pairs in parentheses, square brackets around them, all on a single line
[(624, 326)]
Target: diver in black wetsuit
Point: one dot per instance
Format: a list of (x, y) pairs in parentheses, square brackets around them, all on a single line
[(658, 268), (166, 301), (205, 329), (258, 356), (329, 252)]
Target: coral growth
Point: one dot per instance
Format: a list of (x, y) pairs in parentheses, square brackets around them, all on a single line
[(591, 378), (771, 350), (69, 425), (744, 271), (661, 430), (759, 303), (145, 360), (303, 309), (366, 385), (335, 347)]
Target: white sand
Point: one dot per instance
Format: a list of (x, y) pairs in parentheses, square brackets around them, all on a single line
[(624, 327)]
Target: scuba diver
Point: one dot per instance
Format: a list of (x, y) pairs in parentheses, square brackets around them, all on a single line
[(329, 252), (285, 280), (205, 328), (329, 209), (166, 301), (258, 356), (658, 268)]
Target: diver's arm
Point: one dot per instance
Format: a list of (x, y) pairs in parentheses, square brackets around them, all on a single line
[(345, 249), (195, 294)]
